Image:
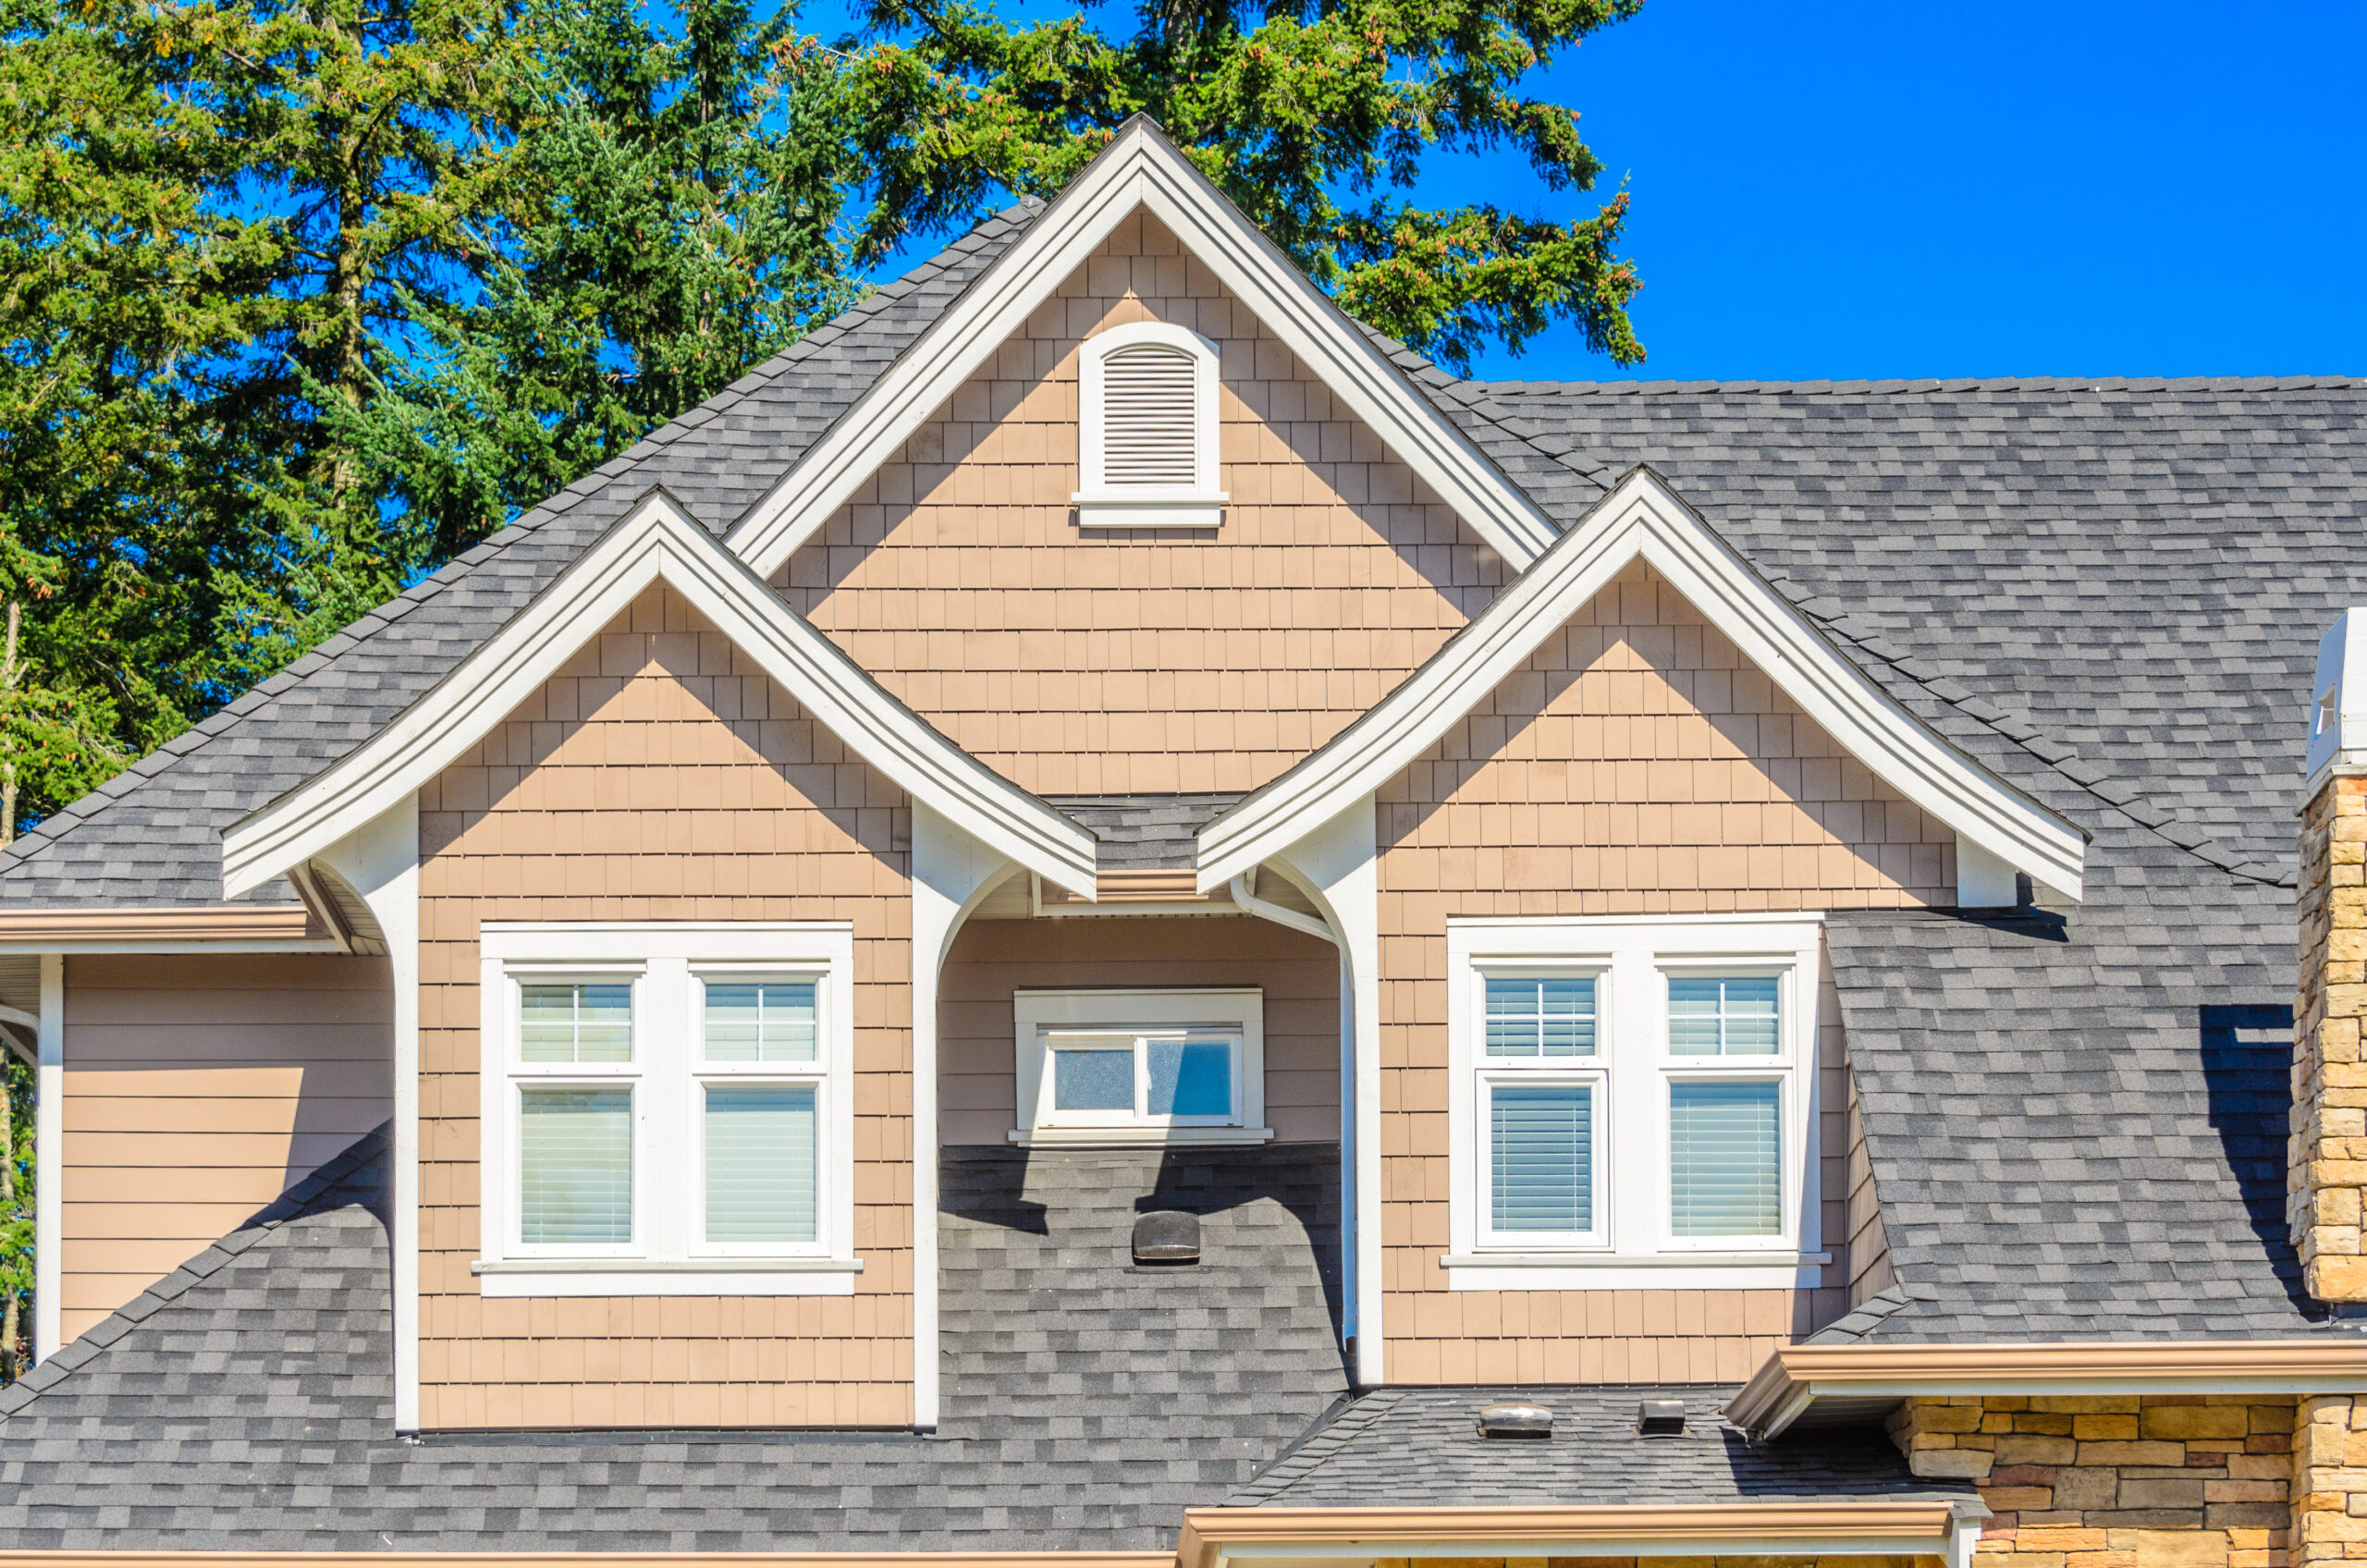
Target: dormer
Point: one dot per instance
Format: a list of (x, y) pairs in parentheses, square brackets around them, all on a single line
[(1148, 430)]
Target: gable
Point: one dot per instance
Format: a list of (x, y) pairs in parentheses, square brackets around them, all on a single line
[(656, 541), (1141, 660), (1637, 763), (2000, 831), (1140, 170)]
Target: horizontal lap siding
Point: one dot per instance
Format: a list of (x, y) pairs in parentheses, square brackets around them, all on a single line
[(1636, 765), (1299, 976), (197, 1089), (1141, 662), (662, 777)]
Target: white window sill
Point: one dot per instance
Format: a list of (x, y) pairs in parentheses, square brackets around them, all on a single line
[(1138, 1137), (1176, 510), (529, 1277), (1634, 1271)]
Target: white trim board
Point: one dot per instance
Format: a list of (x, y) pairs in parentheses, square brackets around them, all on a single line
[(49, 1160), (1643, 518), (1139, 170), (655, 541)]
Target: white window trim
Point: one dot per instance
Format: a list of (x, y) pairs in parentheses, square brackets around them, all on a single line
[(1100, 504), (665, 962), (1633, 1247), (1036, 1015)]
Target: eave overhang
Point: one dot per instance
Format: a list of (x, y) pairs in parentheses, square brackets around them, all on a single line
[(1887, 1527), (1822, 1384)]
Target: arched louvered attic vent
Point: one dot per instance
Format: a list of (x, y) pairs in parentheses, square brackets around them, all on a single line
[(1148, 419)]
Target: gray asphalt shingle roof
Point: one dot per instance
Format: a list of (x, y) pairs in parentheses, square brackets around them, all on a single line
[(246, 1403), (1417, 1447)]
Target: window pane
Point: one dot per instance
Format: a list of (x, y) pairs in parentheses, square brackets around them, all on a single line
[(762, 1020), (1551, 1017), (576, 1160), (760, 1164), (1722, 1015), (1724, 1171), (1191, 1078), (1540, 1151), (1091, 1080), (573, 1023)]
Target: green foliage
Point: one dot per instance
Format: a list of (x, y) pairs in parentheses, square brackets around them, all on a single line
[(671, 221), (1285, 110), (16, 1214)]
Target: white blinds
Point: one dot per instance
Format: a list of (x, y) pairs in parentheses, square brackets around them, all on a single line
[(1724, 1159), (1150, 427), (576, 1164), (1540, 1152), (760, 1162), (766, 1021), (1722, 1015), (1543, 1017), (575, 1022)]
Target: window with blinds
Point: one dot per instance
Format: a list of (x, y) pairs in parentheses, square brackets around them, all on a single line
[(760, 1084), (1149, 417), (1629, 1099), (1541, 1157)]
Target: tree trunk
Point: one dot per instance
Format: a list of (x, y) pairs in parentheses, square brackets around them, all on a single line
[(7, 745)]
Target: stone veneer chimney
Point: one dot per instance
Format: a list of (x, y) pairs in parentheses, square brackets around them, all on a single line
[(2326, 1153)]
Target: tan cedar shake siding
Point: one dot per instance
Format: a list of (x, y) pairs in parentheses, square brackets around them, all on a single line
[(661, 777), (1299, 976), (1141, 661), (197, 1089), (1636, 765)]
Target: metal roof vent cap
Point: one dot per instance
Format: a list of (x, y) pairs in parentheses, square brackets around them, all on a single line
[(1167, 1236), (1661, 1418), (1516, 1421)]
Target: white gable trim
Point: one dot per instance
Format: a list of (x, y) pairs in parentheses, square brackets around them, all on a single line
[(1643, 518), (655, 541), (1140, 169)]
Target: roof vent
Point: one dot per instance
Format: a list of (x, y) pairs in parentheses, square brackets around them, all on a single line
[(1516, 1421), (1167, 1236), (1661, 1418)]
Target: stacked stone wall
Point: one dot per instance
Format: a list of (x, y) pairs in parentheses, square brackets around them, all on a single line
[(2330, 1480), (2116, 1481), (2327, 1162)]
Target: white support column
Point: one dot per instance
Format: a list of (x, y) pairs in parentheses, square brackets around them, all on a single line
[(49, 1158), (380, 862), (1338, 866), (951, 872)]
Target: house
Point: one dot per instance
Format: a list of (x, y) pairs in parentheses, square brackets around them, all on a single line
[(1099, 919)]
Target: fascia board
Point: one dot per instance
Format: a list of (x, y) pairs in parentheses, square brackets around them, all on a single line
[(1642, 518), (1139, 169), (655, 541), (1795, 1378), (1873, 1528)]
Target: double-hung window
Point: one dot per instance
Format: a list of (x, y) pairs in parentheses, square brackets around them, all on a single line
[(1631, 1102), (1139, 1067), (666, 1109)]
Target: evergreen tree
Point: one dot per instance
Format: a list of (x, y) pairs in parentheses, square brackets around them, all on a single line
[(1309, 114)]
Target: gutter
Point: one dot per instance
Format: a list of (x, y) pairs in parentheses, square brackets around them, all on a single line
[(588, 1558), (1796, 1378), (194, 928), (1931, 1526)]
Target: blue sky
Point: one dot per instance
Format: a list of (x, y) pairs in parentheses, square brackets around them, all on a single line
[(1938, 188), (1943, 188)]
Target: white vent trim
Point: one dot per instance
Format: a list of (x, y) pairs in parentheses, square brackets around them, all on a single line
[(1146, 429)]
